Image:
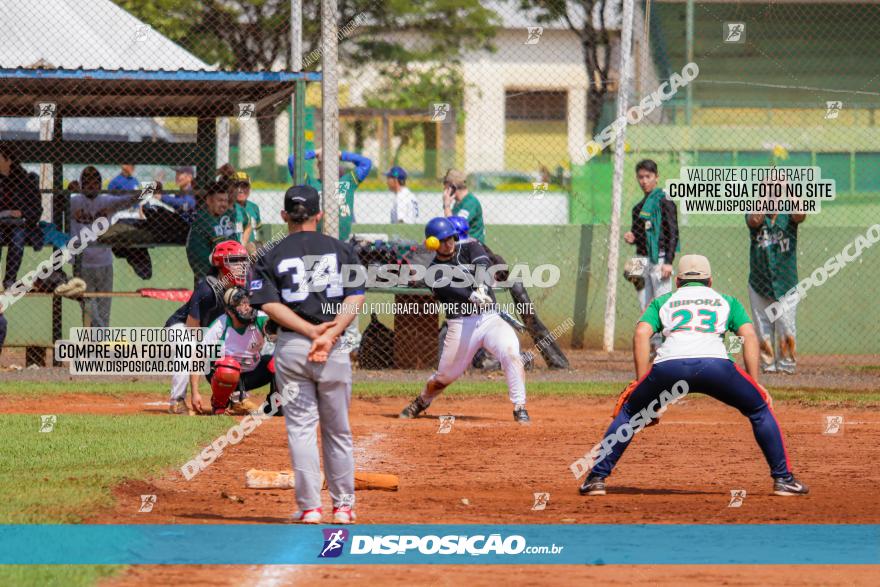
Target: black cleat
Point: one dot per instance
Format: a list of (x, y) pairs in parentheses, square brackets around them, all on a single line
[(521, 415), (789, 486), (593, 486), (415, 407)]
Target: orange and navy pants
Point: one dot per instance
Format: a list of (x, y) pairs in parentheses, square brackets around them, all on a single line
[(719, 378)]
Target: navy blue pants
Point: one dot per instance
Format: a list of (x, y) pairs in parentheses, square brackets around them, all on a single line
[(14, 239), (3, 324), (718, 378)]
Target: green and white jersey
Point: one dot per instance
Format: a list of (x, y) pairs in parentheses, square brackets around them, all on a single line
[(693, 320), (243, 345), (773, 256)]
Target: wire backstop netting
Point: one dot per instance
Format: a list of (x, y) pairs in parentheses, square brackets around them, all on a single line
[(169, 126)]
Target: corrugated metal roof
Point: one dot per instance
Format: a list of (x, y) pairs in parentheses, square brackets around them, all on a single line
[(85, 34), (102, 93)]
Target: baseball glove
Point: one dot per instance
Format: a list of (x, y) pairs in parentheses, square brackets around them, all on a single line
[(634, 272), (624, 395)]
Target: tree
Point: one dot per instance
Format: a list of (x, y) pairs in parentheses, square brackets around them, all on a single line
[(590, 21), (414, 87), (255, 34)]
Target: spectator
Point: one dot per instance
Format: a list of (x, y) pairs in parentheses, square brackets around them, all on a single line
[(95, 264), (184, 204), (21, 206), (3, 324), (654, 232), (773, 272), (458, 201), (241, 191), (183, 177), (225, 173), (405, 209), (348, 184), (213, 224), (125, 180)]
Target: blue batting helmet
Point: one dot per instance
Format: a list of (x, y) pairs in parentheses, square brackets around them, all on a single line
[(461, 226), (439, 227)]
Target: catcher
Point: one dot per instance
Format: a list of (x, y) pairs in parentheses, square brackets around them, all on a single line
[(229, 265), (242, 331)]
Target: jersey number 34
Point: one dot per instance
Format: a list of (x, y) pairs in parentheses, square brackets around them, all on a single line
[(323, 275)]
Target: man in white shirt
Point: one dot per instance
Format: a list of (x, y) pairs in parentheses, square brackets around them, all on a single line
[(95, 264), (405, 209)]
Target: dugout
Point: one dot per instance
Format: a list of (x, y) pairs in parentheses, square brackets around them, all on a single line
[(206, 96)]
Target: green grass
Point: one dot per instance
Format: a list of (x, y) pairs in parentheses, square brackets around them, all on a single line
[(64, 475), (112, 388), (55, 575)]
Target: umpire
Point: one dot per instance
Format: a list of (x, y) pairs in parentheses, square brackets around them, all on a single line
[(298, 284)]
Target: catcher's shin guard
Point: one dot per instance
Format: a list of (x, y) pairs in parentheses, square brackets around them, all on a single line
[(224, 381)]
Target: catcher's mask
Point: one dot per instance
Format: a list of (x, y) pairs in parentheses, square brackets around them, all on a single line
[(232, 261), (237, 303)]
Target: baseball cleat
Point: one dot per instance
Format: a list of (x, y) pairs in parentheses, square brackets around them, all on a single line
[(308, 517), (521, 415), (415, 407), (593, 486), (789, 486), (178, 407), (343, 515)]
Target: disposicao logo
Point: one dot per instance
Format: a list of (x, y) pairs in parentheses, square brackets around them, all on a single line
[(334, 540)]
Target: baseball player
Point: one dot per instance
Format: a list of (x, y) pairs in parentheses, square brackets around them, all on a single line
[(346, 187), (693, 320), (229, 264), (298, 284), (243, 367), (474, 323), (772, 272)]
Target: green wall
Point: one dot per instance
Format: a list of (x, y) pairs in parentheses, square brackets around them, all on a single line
[(839, 317)]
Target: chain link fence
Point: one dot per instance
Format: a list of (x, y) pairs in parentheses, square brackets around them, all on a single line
[(180, 94)]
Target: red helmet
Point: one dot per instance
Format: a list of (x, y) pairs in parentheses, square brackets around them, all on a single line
[(231, 258)]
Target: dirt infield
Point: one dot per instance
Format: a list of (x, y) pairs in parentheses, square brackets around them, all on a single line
[(854, 372), (681, 471)]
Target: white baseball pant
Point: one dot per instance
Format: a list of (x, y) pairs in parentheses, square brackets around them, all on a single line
[(777, 338), (323, 398), (179, 380), (464, 337)]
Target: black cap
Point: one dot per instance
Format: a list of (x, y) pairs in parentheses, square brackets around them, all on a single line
[(305, 195)]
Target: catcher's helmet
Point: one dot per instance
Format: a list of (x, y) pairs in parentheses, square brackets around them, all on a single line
[(231, 258), (236, 301), (440, 228), (461, 226)]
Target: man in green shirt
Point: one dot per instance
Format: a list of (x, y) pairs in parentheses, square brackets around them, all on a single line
[(458, 201), (772, 273), (214, 223), (241, 192)]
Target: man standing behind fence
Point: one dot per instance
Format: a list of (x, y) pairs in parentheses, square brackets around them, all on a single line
[(773, 272), (405, 209), (95, 264), (458, 201), (654, 232), (213, 224)]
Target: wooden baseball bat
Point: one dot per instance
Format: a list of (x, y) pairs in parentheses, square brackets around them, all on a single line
[(259, 479)]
